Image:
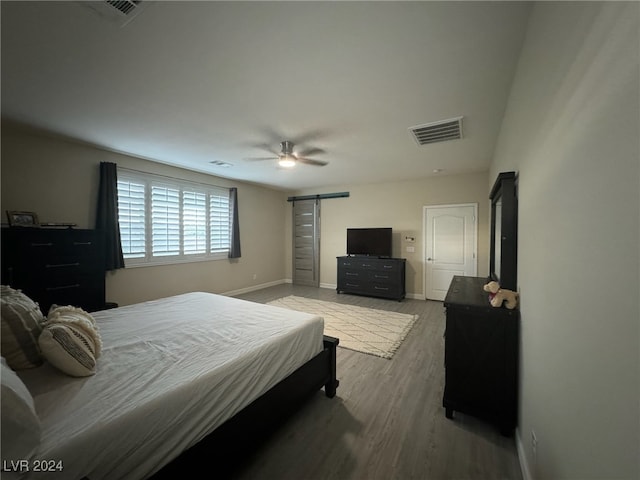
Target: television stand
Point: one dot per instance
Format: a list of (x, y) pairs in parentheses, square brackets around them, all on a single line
[(372, 276)]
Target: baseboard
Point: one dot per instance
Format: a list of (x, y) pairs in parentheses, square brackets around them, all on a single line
[(253, 288), (522, 458), (415, 296), (332, 286), (322, 285)]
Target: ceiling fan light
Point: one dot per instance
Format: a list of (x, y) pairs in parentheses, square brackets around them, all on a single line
[(287, 161)]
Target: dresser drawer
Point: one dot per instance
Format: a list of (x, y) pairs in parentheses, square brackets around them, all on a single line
[(88, 297), (367, 265), (376, 264), (388, 266), (347, 262), (350, 274), (380, 276), (46, 244), (384, 289), (355, 286), (68, 275)]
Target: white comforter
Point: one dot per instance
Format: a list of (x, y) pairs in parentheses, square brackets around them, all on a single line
[(171, 371)]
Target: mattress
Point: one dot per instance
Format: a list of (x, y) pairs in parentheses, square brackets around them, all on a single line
[(171, 371)]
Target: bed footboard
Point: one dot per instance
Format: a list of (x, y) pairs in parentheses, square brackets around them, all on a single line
[(330, 344)]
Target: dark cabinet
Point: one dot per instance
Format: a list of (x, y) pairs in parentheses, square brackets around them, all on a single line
[(55, 266), (481, 355), (372, 276)]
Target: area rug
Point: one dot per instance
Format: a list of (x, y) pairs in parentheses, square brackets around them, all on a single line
[(366, 330)]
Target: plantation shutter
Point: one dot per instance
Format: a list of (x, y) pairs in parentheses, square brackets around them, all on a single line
[(219, 222), (131, 217), (165, 220), (194, 222)]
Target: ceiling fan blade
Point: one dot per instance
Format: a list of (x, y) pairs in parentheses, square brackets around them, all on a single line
[(275, 136), (311, 151), (311, 136), (266, 147), (260, 158), (311, 161)]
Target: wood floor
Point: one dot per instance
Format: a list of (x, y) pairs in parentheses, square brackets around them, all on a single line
[(386, 421)]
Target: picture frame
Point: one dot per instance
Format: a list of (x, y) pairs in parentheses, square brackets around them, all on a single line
[(22, 219)]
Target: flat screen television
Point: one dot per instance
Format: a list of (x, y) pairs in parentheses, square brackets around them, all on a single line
[(375, 242)]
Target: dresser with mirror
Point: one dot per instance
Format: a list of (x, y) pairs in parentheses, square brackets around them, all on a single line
[(482, 341)]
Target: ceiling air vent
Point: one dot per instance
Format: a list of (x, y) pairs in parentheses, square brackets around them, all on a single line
[(440, 131), (124, 6), (220, 163), (120, 12)]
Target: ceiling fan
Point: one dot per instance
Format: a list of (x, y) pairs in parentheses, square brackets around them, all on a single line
[(287, 158)]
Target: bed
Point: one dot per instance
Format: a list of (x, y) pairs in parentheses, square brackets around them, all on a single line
[(178, 376)]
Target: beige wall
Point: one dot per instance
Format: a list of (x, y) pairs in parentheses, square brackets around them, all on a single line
[(400, 206), (58, 180), (571, 130)]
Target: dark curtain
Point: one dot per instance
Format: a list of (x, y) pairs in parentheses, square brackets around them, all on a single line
[(234, 250), (107, 215)]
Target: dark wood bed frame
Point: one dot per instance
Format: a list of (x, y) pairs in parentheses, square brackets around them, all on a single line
[(245, 431), (249, 426)]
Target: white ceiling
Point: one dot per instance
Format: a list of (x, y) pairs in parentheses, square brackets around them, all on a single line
[(187, 83)]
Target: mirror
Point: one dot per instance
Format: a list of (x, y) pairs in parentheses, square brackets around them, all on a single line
[(497, 236), (504, 229)]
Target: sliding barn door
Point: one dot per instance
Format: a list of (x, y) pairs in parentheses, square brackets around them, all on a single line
[(306, 242)]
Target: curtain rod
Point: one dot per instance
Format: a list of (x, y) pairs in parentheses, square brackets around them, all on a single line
[(319, 196)]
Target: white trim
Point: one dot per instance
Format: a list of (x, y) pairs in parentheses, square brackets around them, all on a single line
[(151, 181), (171, 180), (522, 457), (252, 288), (173, 260), (331, 286), (424, 239), (417, 296)]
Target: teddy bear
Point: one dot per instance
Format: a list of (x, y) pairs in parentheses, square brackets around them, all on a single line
[(498, 296)]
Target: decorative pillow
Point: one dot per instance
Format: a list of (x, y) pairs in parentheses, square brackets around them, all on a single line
[(70, 341), (21, 325), (21, 429)]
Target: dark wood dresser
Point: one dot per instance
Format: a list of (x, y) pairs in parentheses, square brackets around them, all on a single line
[(55, 266), (372, 276), (481, 355)]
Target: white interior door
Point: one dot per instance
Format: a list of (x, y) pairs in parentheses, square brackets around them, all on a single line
[(450, 246)]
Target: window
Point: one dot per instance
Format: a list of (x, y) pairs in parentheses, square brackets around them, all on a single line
[(164, 220)]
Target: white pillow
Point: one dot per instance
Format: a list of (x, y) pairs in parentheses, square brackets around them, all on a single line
[(70, 341), (21, 429)]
